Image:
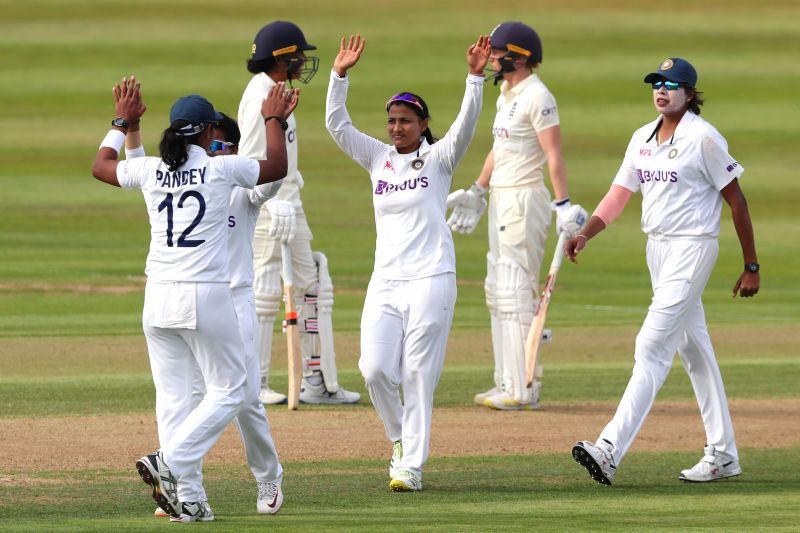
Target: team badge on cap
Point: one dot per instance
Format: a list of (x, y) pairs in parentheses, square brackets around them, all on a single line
[(417, 164), (666, 65)]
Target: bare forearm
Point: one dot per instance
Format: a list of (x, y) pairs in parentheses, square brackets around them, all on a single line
[(486, 172), (276, 164), (744, 230), (558, 176), (593, 227)]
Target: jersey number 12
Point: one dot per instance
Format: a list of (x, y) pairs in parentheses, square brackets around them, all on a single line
[(183, 242)]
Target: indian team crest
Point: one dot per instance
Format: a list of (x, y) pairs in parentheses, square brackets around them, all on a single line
[(417, 164), (673, 153), (666, 65)]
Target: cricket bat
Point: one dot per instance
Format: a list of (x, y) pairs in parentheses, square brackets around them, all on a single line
[(534, 340), (292, 333)]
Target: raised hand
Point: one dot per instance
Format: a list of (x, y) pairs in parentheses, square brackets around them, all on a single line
[(128, 102), (349, 54), (478, 55), (280, 102)]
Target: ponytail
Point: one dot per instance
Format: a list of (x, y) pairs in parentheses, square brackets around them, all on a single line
[(174, 146), (696, 101), (429, 136)]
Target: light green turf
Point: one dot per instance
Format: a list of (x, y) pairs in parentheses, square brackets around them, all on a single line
[(72, 250), (546, 491)]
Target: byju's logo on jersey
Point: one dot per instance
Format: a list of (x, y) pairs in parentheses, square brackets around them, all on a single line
[(384, 187), (656, 175)]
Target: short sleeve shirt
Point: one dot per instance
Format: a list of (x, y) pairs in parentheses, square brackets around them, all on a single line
[(522, 112), (188, 210), (680, 179)]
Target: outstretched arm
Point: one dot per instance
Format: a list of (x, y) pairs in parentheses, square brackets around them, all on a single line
[(456, 141), (129, 106), (275, 109), (359, 146), (133, 139), (749, 282)]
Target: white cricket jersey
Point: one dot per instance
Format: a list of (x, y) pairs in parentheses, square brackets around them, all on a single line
[(522, 112), (245, 206), (409, 191), (680, 180), (188, 209), (253, 144)]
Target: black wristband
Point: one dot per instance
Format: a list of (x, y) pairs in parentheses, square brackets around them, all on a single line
[(283, 123), (561, 202)]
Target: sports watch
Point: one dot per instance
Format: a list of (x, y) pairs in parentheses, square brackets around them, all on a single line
[(751, 267), (120, 123)]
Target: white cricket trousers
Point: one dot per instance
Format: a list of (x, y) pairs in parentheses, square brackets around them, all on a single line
[(186, 432), (679, 271), (404, 331), (252, 423), (519, 221)]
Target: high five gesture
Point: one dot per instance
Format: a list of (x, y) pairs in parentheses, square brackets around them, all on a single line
[(478, 55), (349, 53)]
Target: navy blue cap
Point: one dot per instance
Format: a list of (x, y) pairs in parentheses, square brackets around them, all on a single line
[(674, 69), (196, 110), (278, 38), (519, 38)]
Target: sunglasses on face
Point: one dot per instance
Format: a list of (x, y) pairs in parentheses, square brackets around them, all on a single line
[(668, 85), (405, 97), (217, 146)]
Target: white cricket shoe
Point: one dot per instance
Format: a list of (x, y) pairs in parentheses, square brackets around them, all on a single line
[(270, 397), (194, 512), (397, 455), (596, 460), (481, 397), (270, 496), (503, 401), (155, 472), (405, 481), (318, 394), (711, 468)]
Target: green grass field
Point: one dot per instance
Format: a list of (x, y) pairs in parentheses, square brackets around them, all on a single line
[(72, 250)]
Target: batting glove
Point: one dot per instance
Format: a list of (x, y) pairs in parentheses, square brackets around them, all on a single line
[(283, 220), (468, 206), (569, 218)]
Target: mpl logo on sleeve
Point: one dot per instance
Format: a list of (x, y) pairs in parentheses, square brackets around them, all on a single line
[(732, 166)]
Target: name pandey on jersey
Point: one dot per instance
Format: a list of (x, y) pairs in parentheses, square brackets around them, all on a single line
[(178, 178)]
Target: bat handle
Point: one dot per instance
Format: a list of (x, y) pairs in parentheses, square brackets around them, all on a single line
[(558, 256)]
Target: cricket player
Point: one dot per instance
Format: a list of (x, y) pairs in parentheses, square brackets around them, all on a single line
[(527, 135), (189, 317), (245, 204), (682, 167), (278, 55), (411, 296)]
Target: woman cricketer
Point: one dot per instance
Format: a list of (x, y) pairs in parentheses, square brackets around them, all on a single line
[(411, 296), (189, 319), (681, 165)]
